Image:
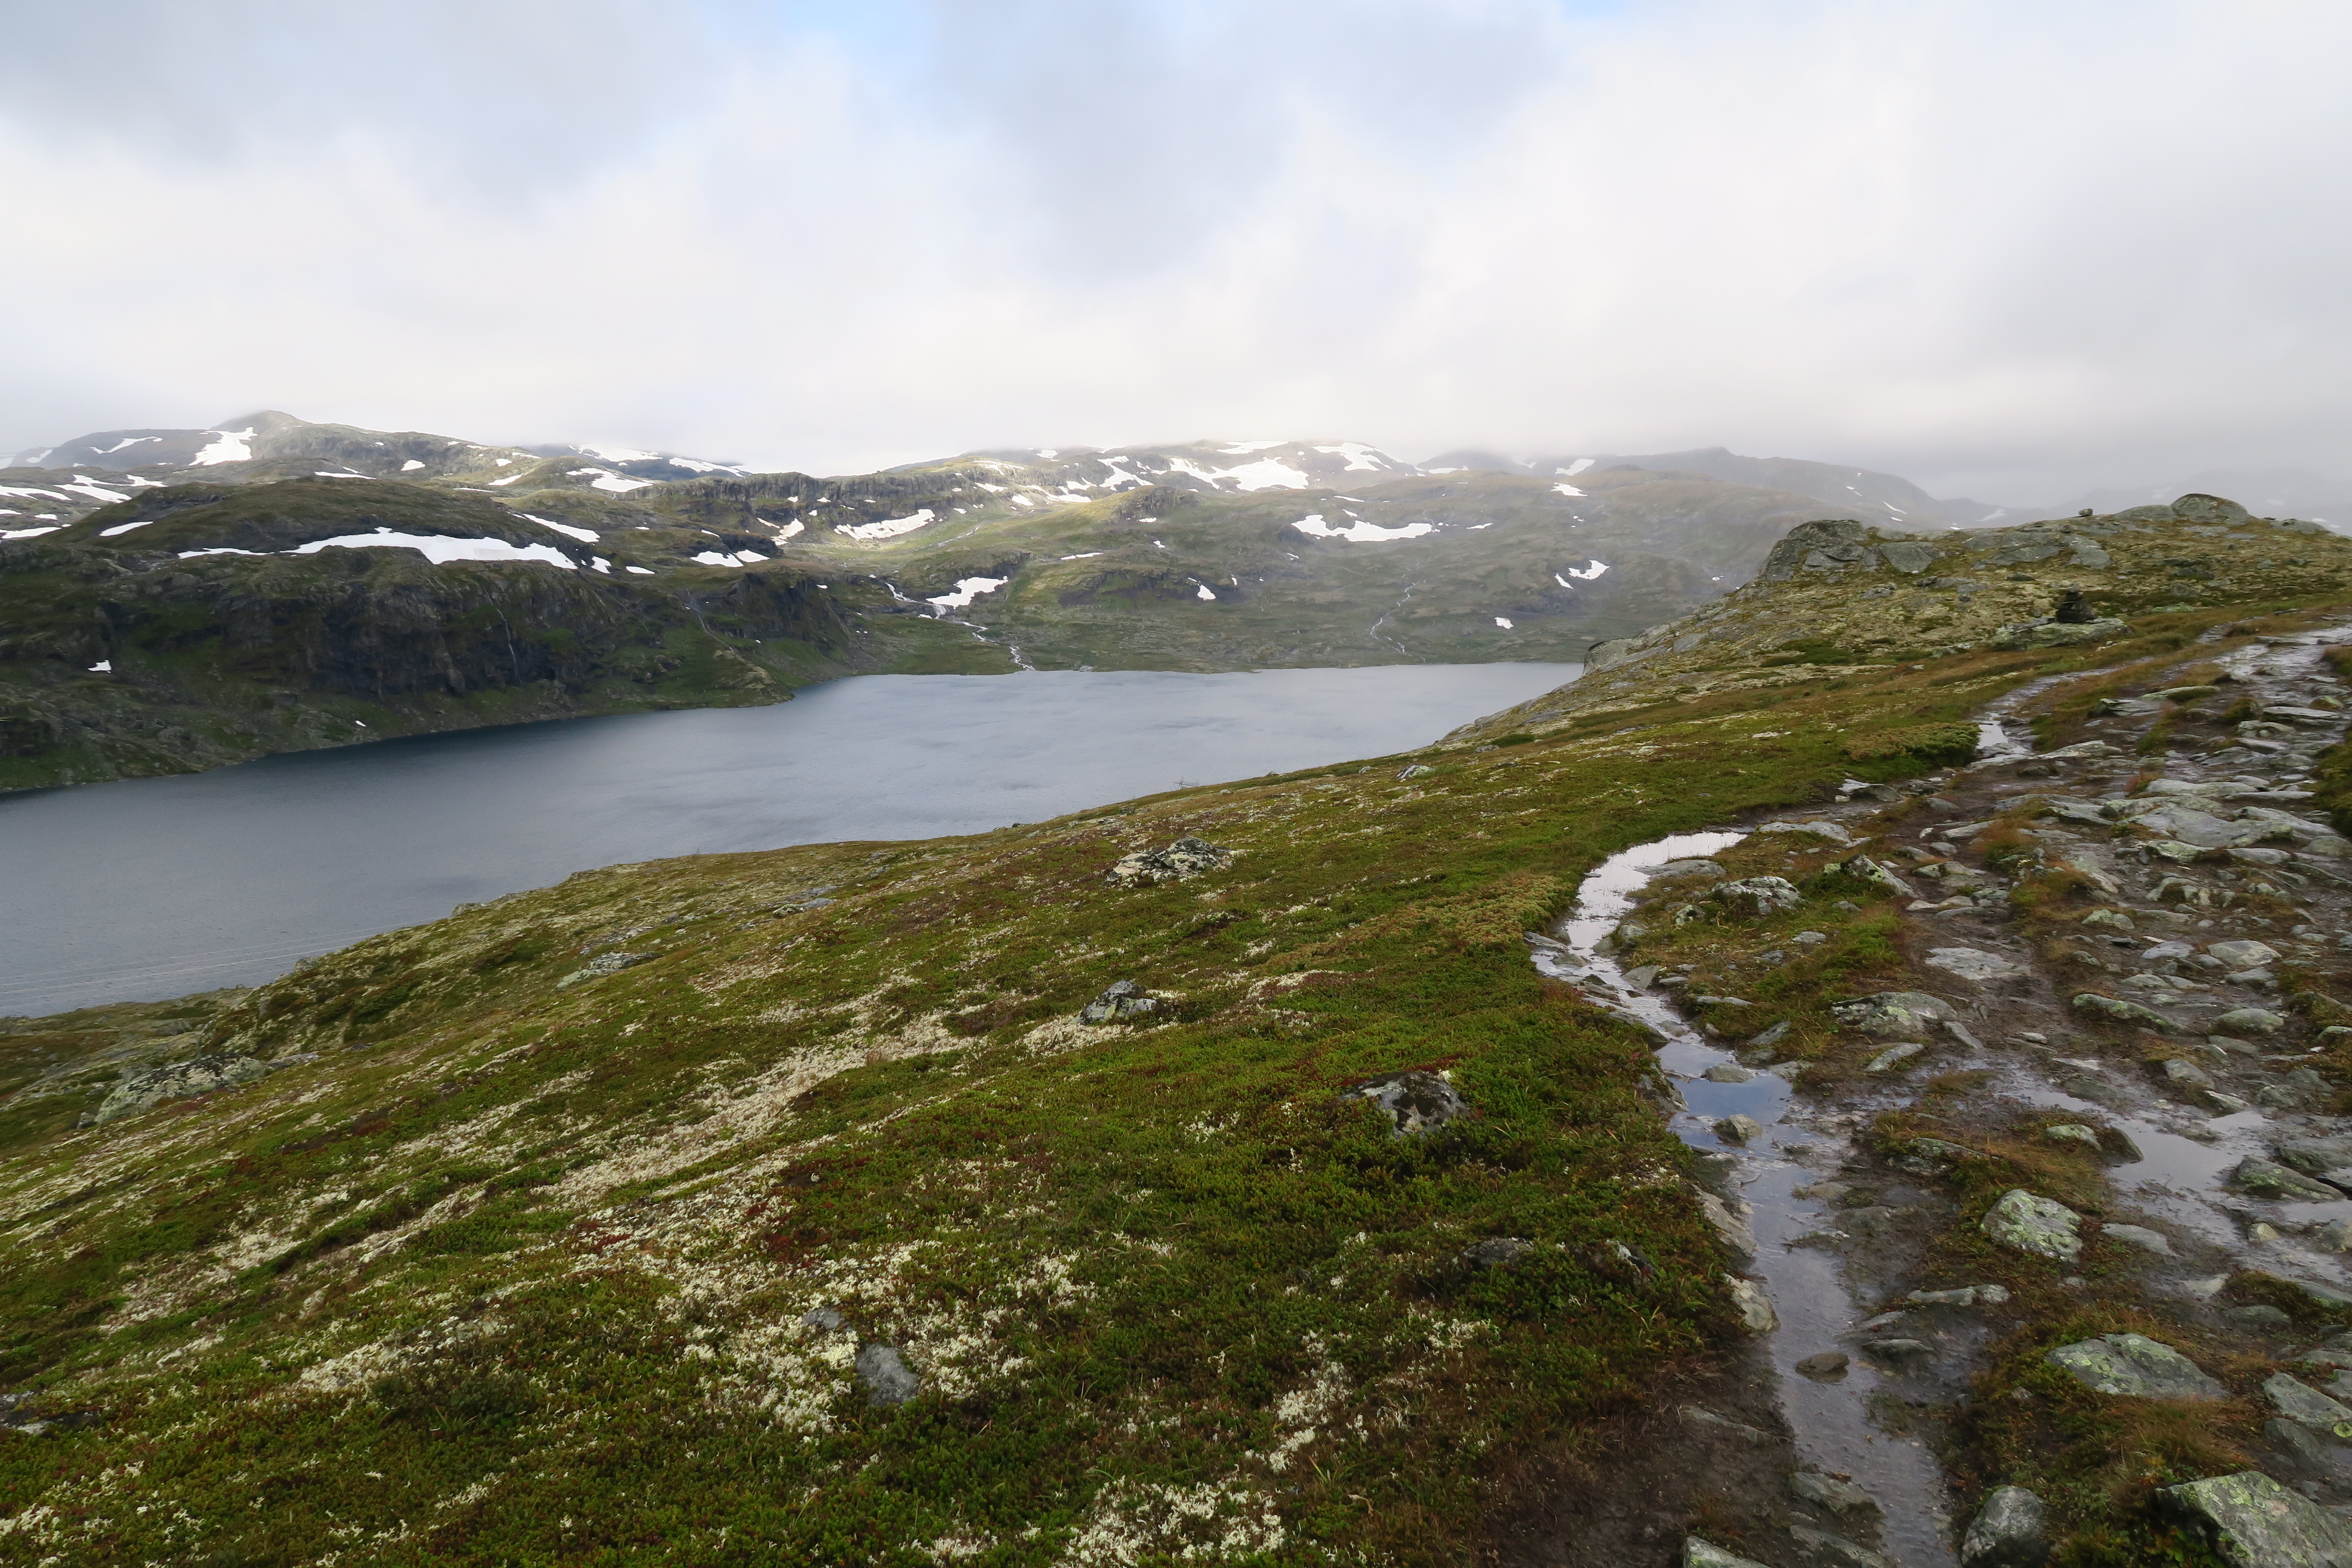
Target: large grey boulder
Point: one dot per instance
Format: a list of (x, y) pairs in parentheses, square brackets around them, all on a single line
[(2134, 1365), (2254, 1522), (2198, 507), (1893, 1014), (1187, 857), (2036, 1224), (1415, 1101), (180, 1080), (1757, 896), (2300, 1402), (2007, 1532), (2323, 1157), (1120, 1000), (2055, 633), (1972, 965), (2266, 1180)]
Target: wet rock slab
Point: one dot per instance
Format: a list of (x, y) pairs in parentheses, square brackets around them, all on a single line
[(2255, 1523)]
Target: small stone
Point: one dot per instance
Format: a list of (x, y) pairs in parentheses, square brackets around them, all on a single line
[(1726, 1072), (1826, 1551), (1966, 1296), (1756, 1314), (2257, 1523), (2115, 1010), (2146, 1240), (887, 1378), (2007, 1532), (1824, 1363), (1496, 1252), (1772, 1037), (2244, 1022), (1893, 1056), (823, 1319), (2261, 1317), (2072, 1132), (2035, 1224), (2242, 954), (2109, 919), (2134, 1365), (1898, 1349), (1697, 1553), (1737, 1128), (1837, 1496), (1721, 1426), (2336, 1236)]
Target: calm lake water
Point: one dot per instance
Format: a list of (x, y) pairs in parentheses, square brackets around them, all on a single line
[(155, 888)]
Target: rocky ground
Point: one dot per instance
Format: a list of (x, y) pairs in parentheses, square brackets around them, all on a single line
[(2090, 1175)]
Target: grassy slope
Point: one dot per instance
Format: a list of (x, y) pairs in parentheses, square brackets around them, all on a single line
[(521, 1279)]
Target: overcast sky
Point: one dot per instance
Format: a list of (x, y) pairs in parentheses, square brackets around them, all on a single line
[(2009, 250)]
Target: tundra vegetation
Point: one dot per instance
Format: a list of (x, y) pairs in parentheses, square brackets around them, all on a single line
[(784, 1206)]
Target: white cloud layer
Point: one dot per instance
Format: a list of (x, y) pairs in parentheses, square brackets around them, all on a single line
[(2002, 248)]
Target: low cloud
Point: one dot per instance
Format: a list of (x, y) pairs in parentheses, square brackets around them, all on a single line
[(2007, 250)]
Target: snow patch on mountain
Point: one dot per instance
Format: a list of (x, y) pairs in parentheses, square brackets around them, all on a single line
[(227, 446), (891, 527), (1362, 532)]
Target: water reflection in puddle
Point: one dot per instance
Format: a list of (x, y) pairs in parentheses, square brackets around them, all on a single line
[(1830, 1419)]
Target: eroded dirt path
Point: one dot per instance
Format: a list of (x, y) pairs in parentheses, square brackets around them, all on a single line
[(2116, 948)]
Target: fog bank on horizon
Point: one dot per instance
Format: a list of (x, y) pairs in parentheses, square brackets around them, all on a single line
[(2018, 253)]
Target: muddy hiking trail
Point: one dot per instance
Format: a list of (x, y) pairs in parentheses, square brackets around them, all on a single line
[(1921, 1299), (1864, 1076)]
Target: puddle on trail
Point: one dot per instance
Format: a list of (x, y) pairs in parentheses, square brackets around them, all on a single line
[(1830, 1420)]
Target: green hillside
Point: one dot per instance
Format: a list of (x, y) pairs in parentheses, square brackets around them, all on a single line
[(788, 1206)]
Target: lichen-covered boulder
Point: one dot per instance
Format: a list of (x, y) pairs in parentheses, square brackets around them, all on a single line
[(2055, 633), (1756, 895), (180, 1080), (1863, 868), (2255, 1523), (2136, 1366), (2026, 1223), (1893, 1014), (1415, 1101), (2266, 1179), (1187, 857), (2300, 1402), (1120, 1000)]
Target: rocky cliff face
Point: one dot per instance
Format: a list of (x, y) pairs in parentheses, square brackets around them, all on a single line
[(114, 666)]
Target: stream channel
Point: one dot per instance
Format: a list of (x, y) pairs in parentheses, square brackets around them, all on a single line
[(1829, 1420)]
